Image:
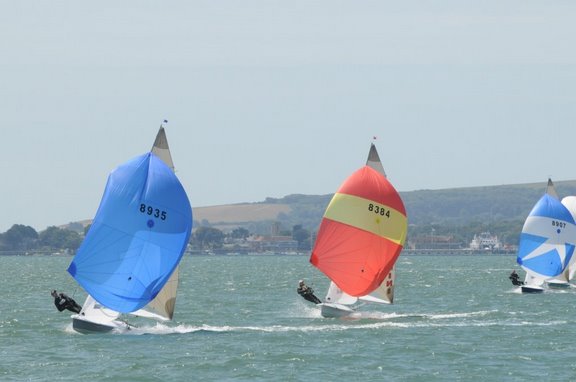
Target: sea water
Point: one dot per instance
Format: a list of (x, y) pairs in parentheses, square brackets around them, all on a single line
[(239, 318)]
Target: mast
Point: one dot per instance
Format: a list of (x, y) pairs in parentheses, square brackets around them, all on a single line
[(385, 292), (160, 147), (165, 302), (551, 190)]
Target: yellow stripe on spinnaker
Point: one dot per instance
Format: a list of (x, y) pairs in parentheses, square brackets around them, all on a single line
[(367, 215)]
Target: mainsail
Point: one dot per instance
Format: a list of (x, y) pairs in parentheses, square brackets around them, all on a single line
[(162, 307), (547, 239), (138, 236), (362, 233), (384, 294), (570, 203)]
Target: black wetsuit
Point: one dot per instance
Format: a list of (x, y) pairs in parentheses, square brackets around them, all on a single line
[(515, 279), (64, 302), (308, 294)]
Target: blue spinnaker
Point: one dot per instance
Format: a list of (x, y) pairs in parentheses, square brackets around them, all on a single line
[(547, 239), (138, 235)]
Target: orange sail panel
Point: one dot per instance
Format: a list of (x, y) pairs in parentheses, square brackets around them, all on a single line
[(362, 233)]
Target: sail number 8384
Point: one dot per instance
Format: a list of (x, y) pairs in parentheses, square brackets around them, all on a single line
[(379, 210), (149, 210)]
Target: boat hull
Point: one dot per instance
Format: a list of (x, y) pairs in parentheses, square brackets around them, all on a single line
[(330, 310), (558, 284), (85, 326), (532, 289)]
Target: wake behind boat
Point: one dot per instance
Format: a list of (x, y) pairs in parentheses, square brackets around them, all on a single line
[(360, 238), (128, 261)]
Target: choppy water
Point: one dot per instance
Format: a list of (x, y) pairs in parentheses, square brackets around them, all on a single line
[(240, 319)]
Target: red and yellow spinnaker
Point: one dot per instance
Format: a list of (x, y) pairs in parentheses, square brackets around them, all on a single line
[(362, 233)]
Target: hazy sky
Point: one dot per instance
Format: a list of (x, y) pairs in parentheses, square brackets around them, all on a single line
[(270, 98)]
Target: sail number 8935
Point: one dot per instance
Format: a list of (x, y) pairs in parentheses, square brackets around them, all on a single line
[(149, 210), (379, 210)]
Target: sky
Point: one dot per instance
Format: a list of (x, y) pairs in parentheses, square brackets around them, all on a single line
[(271, 98)]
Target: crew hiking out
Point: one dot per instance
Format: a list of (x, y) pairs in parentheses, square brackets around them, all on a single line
[(62, 301), (307, 292), (515, 278)]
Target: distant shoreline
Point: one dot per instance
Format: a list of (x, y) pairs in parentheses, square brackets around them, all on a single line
[(406, 252)]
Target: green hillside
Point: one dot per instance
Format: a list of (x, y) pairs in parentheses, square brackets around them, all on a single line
[(447, 206), (465, 205), (459, 212)]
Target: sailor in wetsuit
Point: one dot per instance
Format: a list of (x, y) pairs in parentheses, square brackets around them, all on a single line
[(307, 292), (62, 301), (515, 278)]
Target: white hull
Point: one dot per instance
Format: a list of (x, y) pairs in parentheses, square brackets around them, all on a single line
[(331, 310), (83, 325), (558, 284)]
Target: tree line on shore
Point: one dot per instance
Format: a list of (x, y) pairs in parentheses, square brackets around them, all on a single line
[(22, 239)]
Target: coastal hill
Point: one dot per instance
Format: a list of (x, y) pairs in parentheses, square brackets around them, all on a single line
[(457, 206), (501, 209)]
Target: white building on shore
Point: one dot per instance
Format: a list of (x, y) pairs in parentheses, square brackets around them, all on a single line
[(485, 241)]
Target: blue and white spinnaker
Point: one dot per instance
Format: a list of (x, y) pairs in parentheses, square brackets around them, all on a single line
[(138, 235), (547, 240)]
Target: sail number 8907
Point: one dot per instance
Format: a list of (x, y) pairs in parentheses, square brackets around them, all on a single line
[(379, 210), (149, 210), (556, 223)]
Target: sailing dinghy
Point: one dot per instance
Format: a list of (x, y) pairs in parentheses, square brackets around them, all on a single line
[(360, 238), (547, 241), (128, 262)]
